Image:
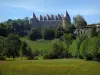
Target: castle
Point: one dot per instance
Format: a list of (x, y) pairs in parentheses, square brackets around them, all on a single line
[(59, 20), (50, 20)]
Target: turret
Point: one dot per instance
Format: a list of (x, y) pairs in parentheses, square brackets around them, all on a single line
[(41, 18), (34, 17), (52, 17), (67, 17), (59, 17), (48, 17), (56, 18), (66, 20), (45, 18)]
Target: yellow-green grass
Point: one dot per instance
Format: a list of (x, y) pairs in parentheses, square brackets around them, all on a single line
[(39, 45), (50, 67)]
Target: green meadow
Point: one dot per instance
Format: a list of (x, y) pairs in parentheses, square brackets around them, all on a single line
[(50, 67), (39, 44), (47, 67)]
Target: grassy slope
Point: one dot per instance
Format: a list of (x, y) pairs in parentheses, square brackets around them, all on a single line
[(50, 67), (40, 44)]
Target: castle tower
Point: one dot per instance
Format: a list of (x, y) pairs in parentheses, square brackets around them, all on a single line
[(34, 21), (66, 20)]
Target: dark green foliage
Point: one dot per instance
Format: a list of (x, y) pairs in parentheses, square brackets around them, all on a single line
[(30, 54), (49, 34), (36, 52), (35, 34), (3, 30), (26, 51), (2, 58), (57, 52), (79, 21), (13, 45), (69, 28), (59, 32), (2, 46)]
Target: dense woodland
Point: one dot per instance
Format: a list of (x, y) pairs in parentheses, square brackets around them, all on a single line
[(67, 44)]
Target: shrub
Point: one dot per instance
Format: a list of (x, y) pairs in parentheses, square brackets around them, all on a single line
[(35, 34), (56, 53), (2, 58), (48, 34)]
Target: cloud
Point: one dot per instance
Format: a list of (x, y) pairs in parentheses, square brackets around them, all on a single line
[(39, 6)]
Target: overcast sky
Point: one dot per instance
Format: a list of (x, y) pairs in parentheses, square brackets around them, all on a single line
[(13, 9)]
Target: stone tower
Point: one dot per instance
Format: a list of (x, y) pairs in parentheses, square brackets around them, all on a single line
[(34, 21), (66, 20)]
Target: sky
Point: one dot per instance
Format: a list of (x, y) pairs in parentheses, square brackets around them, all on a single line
[(14, 9)]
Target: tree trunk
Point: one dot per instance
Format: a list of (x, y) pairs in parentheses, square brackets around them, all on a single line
[(21, 57), (13, 57)]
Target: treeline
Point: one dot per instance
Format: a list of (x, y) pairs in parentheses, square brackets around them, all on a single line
[(81, 47), (18, 26), (67, 44)]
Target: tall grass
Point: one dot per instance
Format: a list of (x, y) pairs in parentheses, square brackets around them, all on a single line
[(50, 67)]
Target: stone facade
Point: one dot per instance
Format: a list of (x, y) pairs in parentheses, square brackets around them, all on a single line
[(50, 20), (87, 30)]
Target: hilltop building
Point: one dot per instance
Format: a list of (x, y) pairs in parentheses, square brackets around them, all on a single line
[(50, 20)]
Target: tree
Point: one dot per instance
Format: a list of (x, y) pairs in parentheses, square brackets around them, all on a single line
[(59, 32), (2, 46), (73, 49), (68, 38), (49, 34), (23, 49), (3, 30), (57, 52), (79, 21), (35, 34), (26, 51), (26, 24), (88, 48), (13, 45)]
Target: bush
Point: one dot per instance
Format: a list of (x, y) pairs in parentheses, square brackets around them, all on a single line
[(56, 53), (2, 58), (36, 58), (48, 34), (35, 34), (30, 54)]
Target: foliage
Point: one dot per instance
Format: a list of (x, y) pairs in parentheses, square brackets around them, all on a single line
[(2, 58), (13, 45), (35, 34), (59, 32), (49, 34), (2, 46), (3, 30), (57, 52), (73, 48), (79, 21)]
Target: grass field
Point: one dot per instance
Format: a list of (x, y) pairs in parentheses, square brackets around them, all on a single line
[(39, 45), (50, 67)]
